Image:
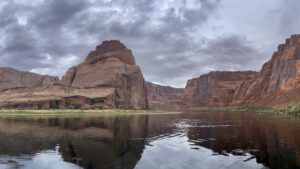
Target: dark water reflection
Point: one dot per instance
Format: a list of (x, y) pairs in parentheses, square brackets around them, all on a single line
[(187, 140)]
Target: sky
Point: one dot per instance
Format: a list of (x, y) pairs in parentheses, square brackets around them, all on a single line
[(172, 40)]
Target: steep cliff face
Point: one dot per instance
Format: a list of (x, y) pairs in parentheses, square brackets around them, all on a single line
[(164, 97), (12, 78), (214, 89), (111, 66), (108, 77), (278, 82)]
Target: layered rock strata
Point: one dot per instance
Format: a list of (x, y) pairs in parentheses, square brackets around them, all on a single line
[(111, 67), (215, 89), (12, 78), (164, 97), (278, 82)]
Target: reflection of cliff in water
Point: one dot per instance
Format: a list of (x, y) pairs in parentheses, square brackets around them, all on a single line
[(106, 142), (272, 140)]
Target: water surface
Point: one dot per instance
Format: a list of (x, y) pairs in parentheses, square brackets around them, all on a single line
[(212, 140)]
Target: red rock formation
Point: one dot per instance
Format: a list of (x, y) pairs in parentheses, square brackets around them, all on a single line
[(12, 78), (278, 82), (108, 77), (214, 89), (164, 97), (111, 66), (69, 77)]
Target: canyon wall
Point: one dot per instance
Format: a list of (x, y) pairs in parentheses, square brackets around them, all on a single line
[(164, 97), (215, 89), (278, 82), (12, 78)]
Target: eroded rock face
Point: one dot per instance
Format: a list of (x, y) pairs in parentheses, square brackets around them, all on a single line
[(107, 78), (214, 89), (57, 97), (278, 82), (12, 78), (164, 97), (111, 66), (69, 77)]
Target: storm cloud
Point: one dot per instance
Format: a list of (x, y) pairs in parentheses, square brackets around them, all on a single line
[(171, 40)]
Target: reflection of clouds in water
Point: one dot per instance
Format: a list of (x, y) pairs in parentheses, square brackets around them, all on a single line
[(48, 159), (178, 152), (184, 125), (200, 123)]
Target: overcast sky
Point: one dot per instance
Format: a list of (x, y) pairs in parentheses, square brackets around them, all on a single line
[(172, 40)]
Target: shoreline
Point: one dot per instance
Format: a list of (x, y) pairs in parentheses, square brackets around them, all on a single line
[(232, 109), (291, 109), (79, 112)]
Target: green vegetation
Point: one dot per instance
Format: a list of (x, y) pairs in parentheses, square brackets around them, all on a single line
[(235, 109), (293, 109), (77, 112)]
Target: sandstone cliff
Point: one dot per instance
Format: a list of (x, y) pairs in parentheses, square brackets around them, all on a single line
[(215, 89), (12, 78), (278, 82), (108, 77), (164, 97), (111, 66)]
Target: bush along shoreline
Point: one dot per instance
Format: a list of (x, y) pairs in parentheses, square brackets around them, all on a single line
[(291, 109)]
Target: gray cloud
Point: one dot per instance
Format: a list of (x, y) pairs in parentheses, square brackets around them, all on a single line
[(172, 40), (288, 17), (232, 52)]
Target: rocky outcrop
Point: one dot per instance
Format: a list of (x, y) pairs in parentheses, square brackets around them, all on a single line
[(57, 97), (107, 78), (111, 66), (69, 77), (12, 78), (164, 97), (214, 89), (278, 82)]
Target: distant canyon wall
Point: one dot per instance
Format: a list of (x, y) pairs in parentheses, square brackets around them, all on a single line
[(164, 97), (12, 78), (215, 89)]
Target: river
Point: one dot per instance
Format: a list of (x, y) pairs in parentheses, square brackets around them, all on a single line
[(195, 140)]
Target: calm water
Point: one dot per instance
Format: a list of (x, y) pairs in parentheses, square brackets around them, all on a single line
[(185, 141)]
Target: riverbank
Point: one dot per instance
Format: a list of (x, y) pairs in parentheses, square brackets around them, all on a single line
[(232, 109), (291, 109), (78, 112)]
